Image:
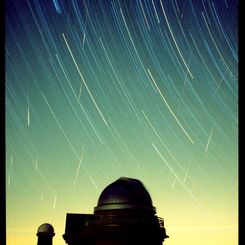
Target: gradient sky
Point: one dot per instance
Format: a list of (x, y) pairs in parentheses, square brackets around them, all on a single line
[(147, 89)]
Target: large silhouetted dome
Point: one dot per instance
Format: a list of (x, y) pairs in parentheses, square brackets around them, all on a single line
[(125, 193)]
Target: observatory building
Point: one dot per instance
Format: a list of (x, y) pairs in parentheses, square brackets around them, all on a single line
[(45, 234), (124, 215)]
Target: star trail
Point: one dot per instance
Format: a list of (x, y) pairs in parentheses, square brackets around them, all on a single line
[(147, 89)]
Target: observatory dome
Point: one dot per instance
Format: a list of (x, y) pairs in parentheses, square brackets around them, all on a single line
[(46, 228), (125, 194)]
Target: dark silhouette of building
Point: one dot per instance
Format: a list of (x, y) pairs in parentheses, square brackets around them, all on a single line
[(45, 234), (124, 215)]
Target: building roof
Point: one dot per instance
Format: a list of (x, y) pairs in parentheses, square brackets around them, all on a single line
[(125, 193), (45, 228)]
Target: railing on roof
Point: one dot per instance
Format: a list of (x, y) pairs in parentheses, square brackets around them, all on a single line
[(161, 222)]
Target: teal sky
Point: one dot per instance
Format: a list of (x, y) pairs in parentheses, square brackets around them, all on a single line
[(96, 90)]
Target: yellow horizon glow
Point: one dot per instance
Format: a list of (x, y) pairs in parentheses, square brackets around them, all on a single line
[(211, 235)]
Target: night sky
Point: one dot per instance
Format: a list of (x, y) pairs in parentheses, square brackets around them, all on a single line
[(100, 89)]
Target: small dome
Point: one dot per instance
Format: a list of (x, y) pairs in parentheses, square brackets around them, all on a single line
[(46, 228), (125, 193)]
